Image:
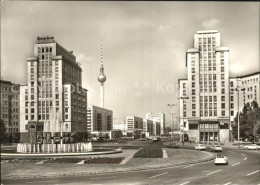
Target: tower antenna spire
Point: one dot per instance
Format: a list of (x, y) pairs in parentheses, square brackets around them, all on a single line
[(102, 76)]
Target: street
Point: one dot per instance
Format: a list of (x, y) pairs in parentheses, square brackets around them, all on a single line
[(243, 168)]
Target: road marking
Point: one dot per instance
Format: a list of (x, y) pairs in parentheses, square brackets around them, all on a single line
[(253, 172), (213, 172), (185, 183), (158, 175), (236, 164), (245, 158), (228, 183), (187, 166), (39, 181), (104, 177), (243, 154)]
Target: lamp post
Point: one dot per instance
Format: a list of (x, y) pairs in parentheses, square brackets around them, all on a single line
[(171, 105), (183, 98), (238, 123)]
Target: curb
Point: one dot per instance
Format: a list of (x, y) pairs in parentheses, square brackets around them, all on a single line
[(82, 173)]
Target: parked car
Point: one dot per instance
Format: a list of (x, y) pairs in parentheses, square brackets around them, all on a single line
[(200, 147), (252, 147), (216, 148), (172, 145), (221, 160)]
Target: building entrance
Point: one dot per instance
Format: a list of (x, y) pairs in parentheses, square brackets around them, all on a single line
[(209, 137)]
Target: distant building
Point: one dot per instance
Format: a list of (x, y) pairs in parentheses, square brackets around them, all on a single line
[(157, 117), (148, 127), (99, 119), (10, 109), (133, 125), (54, 100), (156, 128)]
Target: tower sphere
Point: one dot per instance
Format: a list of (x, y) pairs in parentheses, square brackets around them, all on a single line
[(102, 78)]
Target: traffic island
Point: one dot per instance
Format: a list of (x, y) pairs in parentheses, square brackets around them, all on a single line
[(176, 158)]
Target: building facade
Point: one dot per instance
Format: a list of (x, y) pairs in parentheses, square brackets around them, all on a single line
[(157, 117), (205, 115), (10, 109), (54, 101), (251, 85), (134, 126), (99, 119), (148, 127)]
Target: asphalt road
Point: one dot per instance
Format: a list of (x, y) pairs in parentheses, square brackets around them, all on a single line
[(243, 168)]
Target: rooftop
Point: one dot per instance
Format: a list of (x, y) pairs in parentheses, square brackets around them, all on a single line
[(207, 31)]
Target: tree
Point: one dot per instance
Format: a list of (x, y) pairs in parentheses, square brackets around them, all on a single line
[(3, 136), (249, 122)]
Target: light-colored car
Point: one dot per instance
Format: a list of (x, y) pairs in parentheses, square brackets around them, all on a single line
[(221, 160), (200, 147), (216, 148), (252, 147)]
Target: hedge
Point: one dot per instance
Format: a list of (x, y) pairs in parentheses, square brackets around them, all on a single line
[(149, 153)]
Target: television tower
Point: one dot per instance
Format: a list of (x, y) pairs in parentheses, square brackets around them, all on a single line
[(102, 78)]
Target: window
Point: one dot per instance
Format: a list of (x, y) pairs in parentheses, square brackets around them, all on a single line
[(26, 117), (184, 114), (193, 91), (222, 113), (193, 106), (231, 98), (56, 62), (193, 113), (232, 113), (232, 105), (222, 98), (214, 77), (193, 77), (210, 98), (193, 99), (222, 105), (222, 91), (215, 105), (57, 103), (222, 69), (215, 112), (56, 69), (57, 96), (32, 117), (222, 76), (193, 70), (193, 84)]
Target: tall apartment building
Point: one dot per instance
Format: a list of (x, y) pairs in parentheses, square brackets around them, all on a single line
[(156, 128), (251, 85), (157, 117), (54, 100), (205, 115), (99, 119), (10, 109)]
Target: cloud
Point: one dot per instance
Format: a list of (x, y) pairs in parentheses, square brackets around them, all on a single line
[(211, 23), (236, 67)]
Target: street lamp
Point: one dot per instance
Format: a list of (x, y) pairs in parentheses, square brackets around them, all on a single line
[(238, 123), (183, 98), (171, 105)]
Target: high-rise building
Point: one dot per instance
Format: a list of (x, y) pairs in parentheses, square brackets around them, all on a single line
[(10, 109), (157, 117), (148, 127), (205, 115), (54, 100), (99, 119)]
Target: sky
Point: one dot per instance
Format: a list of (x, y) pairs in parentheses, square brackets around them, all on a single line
[(144, 44)]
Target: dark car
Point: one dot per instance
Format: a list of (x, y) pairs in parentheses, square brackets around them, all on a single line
[(172, 145)]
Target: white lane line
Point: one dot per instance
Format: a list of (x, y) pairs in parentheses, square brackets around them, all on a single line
[(39, 181), (213, 172), (158, 175), (253, 172), (228, 183), (236, 164), (243, 154), (187, 166), (104, 177), (245, 158), (185, 183)]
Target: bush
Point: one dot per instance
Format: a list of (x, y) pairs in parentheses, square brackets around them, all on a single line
[(104, 160), (149, 153), (63, 160)]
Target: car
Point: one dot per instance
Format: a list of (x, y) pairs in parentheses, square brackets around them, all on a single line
[(172, 145), (221, 160), (252, 147), (200, 147), (216, 148)]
